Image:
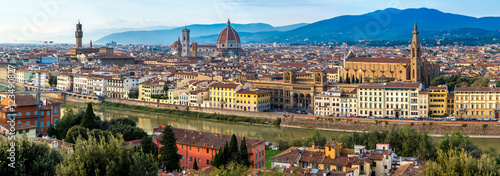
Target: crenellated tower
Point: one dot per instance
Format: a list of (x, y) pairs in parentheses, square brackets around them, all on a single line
[(78, 35)]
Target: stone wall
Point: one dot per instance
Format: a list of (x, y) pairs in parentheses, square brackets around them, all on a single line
[(439, 128), (260, 115)]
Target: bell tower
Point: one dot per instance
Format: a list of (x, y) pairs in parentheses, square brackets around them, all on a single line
[(185, 42), (416, 61), (78, 35)]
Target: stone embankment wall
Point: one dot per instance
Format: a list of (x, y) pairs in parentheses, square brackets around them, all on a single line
[(439, 128), (260, 115)]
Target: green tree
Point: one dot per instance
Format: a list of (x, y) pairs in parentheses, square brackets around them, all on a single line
[(123, 121), (353, 79), (233, 148), (74, 132), (243, 153), (147, 144), (318, 139), (195, 164), (347, 80), (459, 141), (169, 158), (341, 80), (89, 118), (102, 158), (129, 132), (165, 89), (460, 162), (51, 131), (31, 158), (99, 135), (66, 122)]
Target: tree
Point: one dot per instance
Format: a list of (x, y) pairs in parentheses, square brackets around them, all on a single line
[(353, 79), (361, 80), (129, 132), (123, 121), (460, 162), (134, 94), (347, 80), (75, 132), (102, 158), (147, 145), (458, 141), (195, 164), (169, 158), (66, 122), (233, 148), (357, 80), (51, 131), (243, 153), (31, 158), (89, 118), (340, 80), (318, 139)]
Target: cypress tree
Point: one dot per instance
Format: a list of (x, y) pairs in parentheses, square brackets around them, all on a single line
[(169, 158), (217, 161), (360, 80), (357, 80), (353, 80), (226, 155), (233, 148), (243, 153), (340, 79), (89, 118), (347, 80), (195, 164)]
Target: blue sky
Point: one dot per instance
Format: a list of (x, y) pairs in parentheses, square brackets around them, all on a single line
[(27, 18)]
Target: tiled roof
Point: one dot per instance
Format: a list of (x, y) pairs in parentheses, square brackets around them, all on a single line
[(205, 139), (224, 85), (379, 59)]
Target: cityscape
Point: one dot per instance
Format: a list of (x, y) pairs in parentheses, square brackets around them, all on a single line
[(327, 88)]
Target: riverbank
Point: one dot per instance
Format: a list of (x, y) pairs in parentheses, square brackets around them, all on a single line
[(477, 130), (433, 128), (191, 114)]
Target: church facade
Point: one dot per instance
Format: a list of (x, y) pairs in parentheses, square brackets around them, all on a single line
[(371, 69)]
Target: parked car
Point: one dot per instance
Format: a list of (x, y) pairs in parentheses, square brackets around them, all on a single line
[(487, 119), (391, 117), (480, 119), (453, 119)]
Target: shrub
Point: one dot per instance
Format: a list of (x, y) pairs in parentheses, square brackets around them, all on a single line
[(386, 122), (412, 124), (485, 125), (464, 125)]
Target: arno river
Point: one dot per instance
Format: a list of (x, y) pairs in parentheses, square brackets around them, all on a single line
[(148, 121)]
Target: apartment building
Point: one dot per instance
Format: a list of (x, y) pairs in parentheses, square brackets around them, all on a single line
[(437, 100)]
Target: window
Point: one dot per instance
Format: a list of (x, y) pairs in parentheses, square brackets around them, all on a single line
[(208, 151), (385, 166), (208, 162), (190, 147), (19, 114), (339, 168), (48, 123), (28, 114), (182, 146), (199, 149), (190, 158), (28, 122), (41, 125), (374, 164)]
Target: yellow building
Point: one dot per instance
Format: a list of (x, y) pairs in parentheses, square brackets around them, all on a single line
[(253, 100), (478, 102), (450, 104), (223, 96), (437, 100), (150, 88)]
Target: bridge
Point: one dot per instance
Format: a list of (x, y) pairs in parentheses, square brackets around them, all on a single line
[(60, 94)]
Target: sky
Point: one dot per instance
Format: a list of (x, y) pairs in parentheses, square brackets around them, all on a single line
[(39, 19)]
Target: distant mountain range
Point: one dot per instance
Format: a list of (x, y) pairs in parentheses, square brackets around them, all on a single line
[(387, 24), (196, 30)]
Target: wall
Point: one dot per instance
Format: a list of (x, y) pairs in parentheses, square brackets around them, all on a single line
[(260, 115)]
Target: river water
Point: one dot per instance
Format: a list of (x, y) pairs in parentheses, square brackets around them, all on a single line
[(148, 121)]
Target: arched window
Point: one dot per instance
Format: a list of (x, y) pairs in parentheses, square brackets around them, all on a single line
[(28, 122), (55, 109), (28, 113), (36, 123), (19, 114)]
